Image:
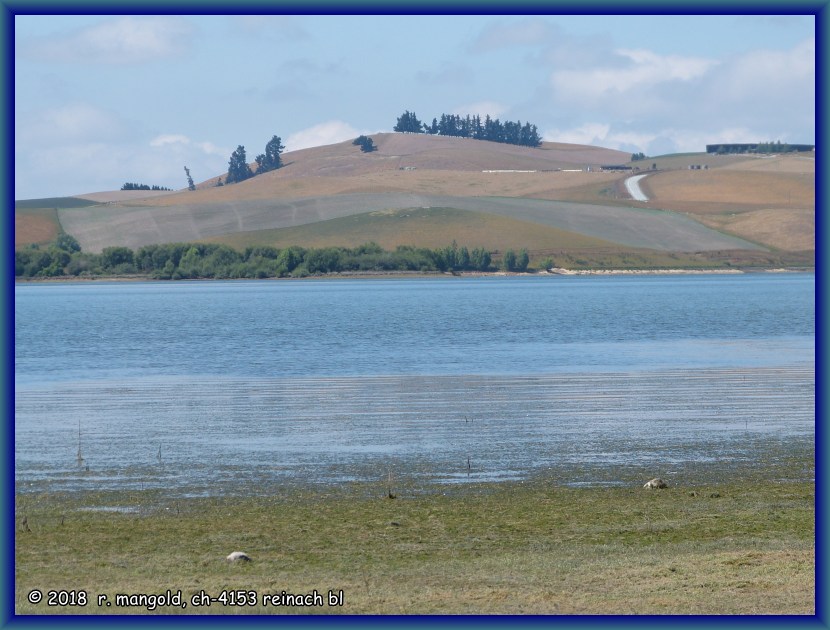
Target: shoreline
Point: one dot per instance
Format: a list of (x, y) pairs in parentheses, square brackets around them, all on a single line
[(352, 275)]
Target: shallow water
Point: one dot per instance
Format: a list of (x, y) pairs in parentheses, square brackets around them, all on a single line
[(589, 381)]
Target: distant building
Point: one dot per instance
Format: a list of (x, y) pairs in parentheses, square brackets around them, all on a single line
[(615, 167)]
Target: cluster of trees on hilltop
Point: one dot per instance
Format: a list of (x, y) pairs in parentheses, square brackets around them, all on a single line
[(761, 147), (239, 170), (775, 147), (134, 186), (175, 261), (472, 127)]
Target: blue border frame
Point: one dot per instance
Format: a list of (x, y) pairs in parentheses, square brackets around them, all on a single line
[(9, 8)]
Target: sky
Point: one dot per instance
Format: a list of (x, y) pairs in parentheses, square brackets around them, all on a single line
[(104, 100)]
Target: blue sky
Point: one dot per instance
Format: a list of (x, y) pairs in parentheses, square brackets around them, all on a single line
[(102, 100)]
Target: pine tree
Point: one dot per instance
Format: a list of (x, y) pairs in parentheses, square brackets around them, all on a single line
[(408, 122), (238, 169), (270, 160), (367, 145), (190, 184)]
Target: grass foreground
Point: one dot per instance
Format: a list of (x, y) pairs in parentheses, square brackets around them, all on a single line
[(507, 548)]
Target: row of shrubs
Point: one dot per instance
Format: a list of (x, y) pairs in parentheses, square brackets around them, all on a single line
[(175, 261)]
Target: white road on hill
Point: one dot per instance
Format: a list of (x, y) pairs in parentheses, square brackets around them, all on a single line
[(633, 186)]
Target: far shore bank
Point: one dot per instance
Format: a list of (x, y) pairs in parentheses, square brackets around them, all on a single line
[(437, 274)]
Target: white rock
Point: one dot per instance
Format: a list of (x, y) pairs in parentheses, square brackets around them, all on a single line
[(238, 555)]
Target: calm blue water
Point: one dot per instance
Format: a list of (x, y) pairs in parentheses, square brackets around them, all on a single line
[(383, 327), (202, 387)]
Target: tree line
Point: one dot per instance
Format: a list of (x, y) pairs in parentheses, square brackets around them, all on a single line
[(177, 261), (134, 186), (472, 127)]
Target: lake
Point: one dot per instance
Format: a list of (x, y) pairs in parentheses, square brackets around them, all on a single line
[(205, 388)]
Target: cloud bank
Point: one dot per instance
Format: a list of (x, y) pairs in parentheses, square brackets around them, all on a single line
[(123, 40)]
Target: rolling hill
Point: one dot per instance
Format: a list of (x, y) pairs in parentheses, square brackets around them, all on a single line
[(429, 190)]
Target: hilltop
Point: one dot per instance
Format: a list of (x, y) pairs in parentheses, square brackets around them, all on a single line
[(553, 199)]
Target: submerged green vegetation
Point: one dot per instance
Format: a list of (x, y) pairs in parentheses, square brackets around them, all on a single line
[(532, 547)]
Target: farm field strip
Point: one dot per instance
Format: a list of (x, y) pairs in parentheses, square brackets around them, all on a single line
[(134, 227)]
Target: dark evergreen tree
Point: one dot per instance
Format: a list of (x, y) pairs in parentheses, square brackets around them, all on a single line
[(408, 122), (489, 132), (508, 261), (270, 160), (190, 184), (472, 127), (522, 260), (480, 259), (478, 130), (367, 145), (238, 169)]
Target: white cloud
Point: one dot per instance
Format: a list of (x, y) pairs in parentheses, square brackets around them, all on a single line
[(177, 140), (604, 135), (528, 32), (453, 74), (655, 141), (160, 141), (208, 148), (276, 27), (772, 76), (122, 40), (71, 123), (653, 68), (110, 161), (589, 133), (631, 72), (329, 132), (660, 103)]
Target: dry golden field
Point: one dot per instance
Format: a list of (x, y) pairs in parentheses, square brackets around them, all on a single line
[(282, 185), (716, 191), (446, 166), (35, 227), (767, 200), (787, 229)]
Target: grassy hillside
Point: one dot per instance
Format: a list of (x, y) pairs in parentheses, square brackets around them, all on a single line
[(420, 227), (102, 226), (737, 203), (53, 202)]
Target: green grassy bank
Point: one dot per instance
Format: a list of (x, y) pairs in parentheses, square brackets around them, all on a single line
[(522, 548)]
